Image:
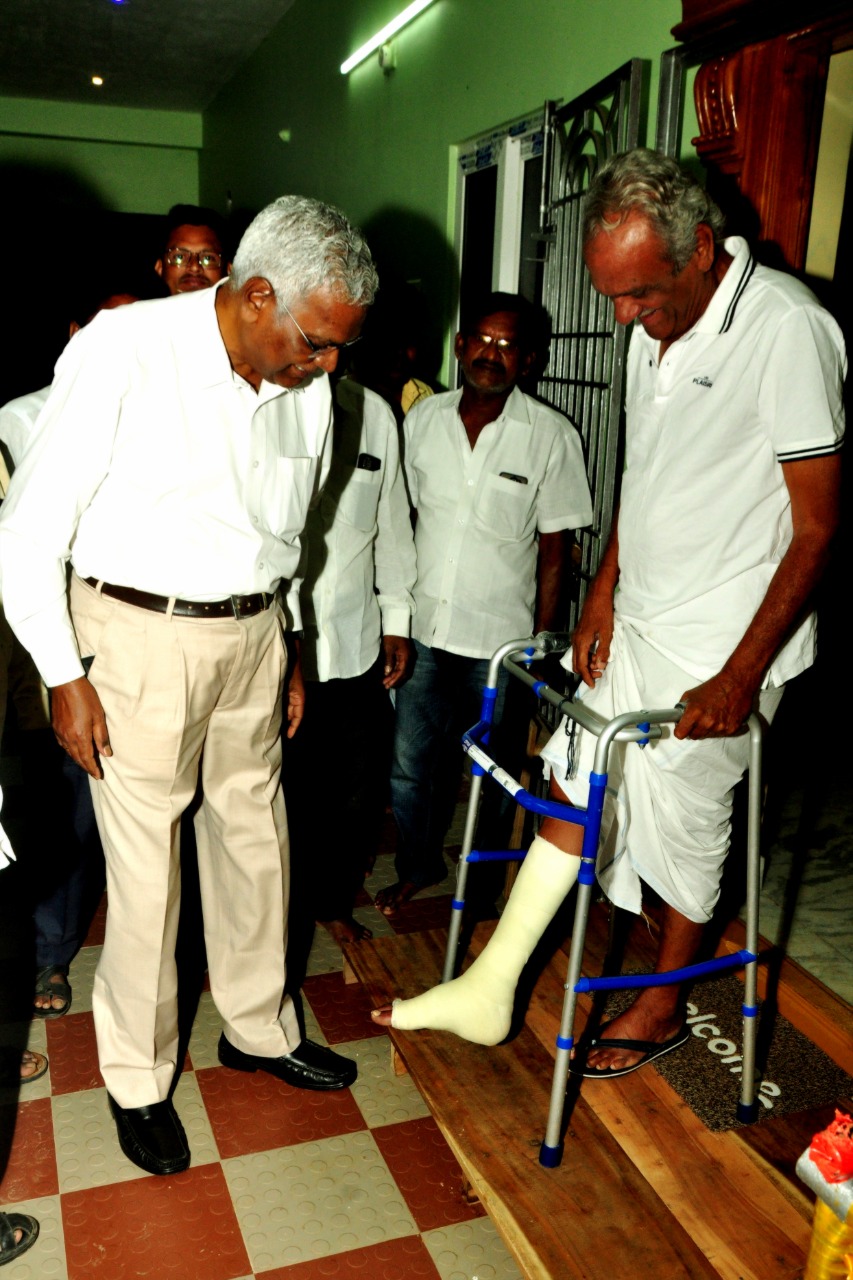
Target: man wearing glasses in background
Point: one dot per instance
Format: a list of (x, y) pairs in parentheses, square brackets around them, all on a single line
[(194, 256), (173, 465), (497, 481)]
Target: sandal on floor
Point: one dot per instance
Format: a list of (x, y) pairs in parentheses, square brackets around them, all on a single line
[(11, 1062), (10, 1248), (56, 990)]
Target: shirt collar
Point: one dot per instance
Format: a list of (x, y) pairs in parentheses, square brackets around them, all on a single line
[(201, 349), (720, 311), (515, 407)]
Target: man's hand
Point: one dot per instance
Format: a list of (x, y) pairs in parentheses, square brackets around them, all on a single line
[(718, 708), (397, 652), (80, 724), (592, 636)]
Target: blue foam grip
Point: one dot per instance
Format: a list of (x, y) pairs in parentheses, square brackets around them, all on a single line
[(477, 770), (457, 905), (565, 1042), (496, 855), (644, 727), (747, 1113), (539, 686), (749, 1010), (550, 1157), (586, 875)]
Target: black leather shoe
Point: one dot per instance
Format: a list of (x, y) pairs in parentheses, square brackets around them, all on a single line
[(310, 1066), (152, 1137)]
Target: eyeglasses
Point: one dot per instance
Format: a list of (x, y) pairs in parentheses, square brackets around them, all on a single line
[(207, 260), (502, 344), (318, 351)]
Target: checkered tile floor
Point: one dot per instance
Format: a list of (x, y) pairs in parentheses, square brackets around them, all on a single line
[(284, 1184)]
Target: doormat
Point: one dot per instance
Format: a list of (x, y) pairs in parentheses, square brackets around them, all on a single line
[(793, 1073)]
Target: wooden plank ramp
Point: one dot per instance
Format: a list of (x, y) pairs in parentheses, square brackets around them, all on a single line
[(644, 1188)]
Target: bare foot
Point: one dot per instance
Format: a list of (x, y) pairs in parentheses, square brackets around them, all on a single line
[(382, 1015), (347, 929), (395, 896), (33, 1065), (644, 1020)]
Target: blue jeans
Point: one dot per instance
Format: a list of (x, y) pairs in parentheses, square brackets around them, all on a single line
[(434, 707)]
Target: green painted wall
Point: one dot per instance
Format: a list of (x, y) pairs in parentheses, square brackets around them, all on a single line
[(379, 145), (116, 158)]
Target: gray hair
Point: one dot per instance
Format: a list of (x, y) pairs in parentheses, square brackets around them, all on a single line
[(656, 186), (301, 245)]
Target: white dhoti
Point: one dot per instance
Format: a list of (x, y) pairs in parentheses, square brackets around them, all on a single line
[(668, 807)]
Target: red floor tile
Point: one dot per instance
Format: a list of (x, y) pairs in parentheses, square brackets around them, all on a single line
[(342, 1011), (422, 913), (405, 1259), (73, 1053), (426, 1172), (31, 1170), (251, 1113), (182, 1227), (95, 936)]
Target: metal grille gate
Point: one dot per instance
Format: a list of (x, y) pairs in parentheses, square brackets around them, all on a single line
[(585, 374)]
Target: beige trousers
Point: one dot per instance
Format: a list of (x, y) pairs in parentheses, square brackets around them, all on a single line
[(171, 687)]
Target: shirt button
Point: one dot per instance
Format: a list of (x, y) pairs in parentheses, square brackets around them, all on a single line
[(470, 482), (260, 564), (254, 519), (256, 464)]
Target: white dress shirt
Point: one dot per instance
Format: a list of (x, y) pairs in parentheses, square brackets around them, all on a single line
[(154, 466), (359, 557), (17, 419), (705, 515), (479, 511)]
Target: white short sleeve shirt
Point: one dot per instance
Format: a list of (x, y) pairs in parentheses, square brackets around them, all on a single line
[(705, 516), (479, 512)]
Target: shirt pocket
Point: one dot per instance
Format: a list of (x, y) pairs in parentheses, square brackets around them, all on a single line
[(504, 507), (287, 495), (357, 500)]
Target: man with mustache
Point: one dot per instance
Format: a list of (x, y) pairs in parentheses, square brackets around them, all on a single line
[(194, 255), (496, 479)]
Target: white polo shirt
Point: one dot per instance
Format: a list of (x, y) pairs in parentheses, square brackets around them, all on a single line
[(153, 465), (358, 565), (705, 516), (478, 513)]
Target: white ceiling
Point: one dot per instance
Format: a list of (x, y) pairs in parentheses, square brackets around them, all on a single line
[(151, 53)]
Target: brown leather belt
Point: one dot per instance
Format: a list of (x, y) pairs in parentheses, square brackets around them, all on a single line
[(231, 607)]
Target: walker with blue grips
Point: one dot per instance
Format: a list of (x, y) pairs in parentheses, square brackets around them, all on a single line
[(639, 727)]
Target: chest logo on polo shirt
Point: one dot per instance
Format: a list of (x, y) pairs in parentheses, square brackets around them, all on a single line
[(703, 381)]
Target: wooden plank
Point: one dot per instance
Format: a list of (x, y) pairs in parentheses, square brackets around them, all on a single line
[(746, 1225), (593, 1218)]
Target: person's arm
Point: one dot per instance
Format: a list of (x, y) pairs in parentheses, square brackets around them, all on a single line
[(549, 579), (720, 706), (592, 636), (61, 470), (394, 561)]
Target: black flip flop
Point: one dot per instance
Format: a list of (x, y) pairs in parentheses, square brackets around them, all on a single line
[(650, 1049), (10, 1248), (58, 990)]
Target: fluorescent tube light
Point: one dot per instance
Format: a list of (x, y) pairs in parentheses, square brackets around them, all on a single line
[(386, 33)]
